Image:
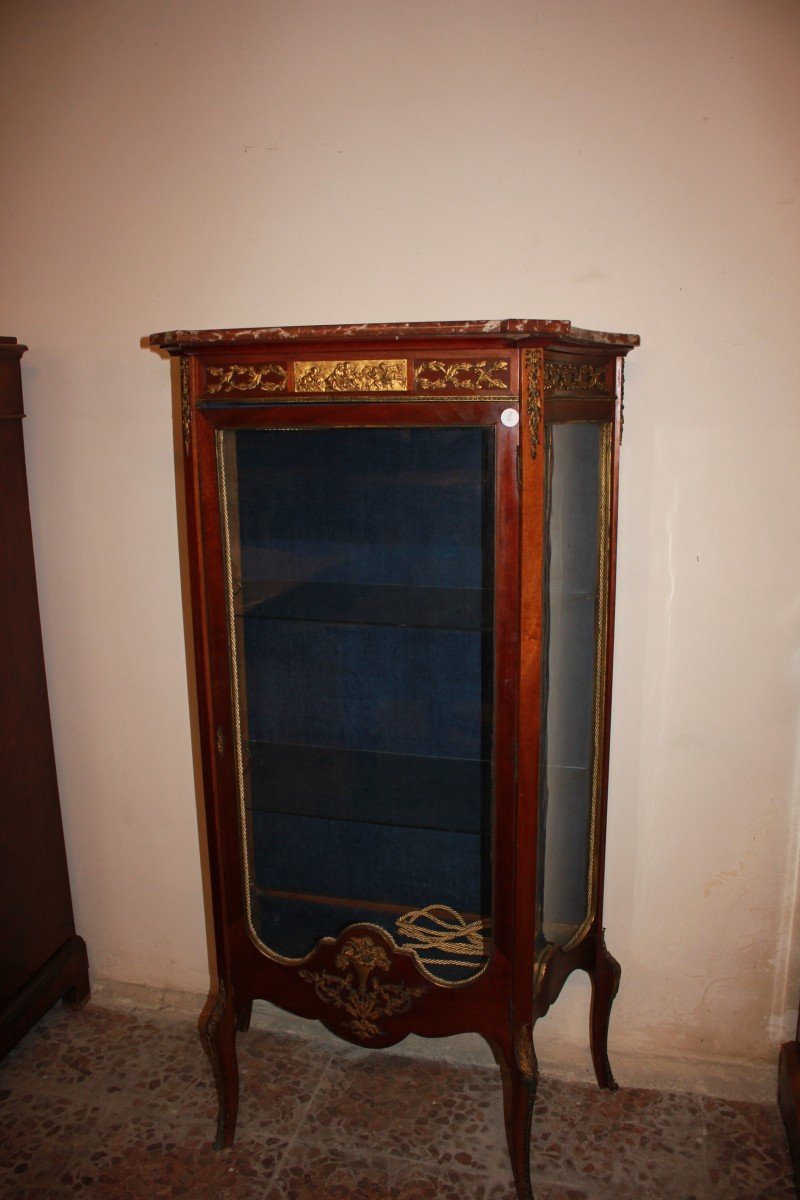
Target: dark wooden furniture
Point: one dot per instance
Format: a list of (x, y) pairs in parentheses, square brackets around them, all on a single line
[(789, 1099), (402, 543), (41, 958)]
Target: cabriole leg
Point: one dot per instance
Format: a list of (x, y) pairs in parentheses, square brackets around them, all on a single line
[(520, 1079), (218, 1033), (605, 985), (244, 1012)]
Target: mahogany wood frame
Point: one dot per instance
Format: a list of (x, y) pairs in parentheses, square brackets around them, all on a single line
[(585, 383)]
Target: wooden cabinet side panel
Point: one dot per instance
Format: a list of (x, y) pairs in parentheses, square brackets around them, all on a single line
[(35, 905)]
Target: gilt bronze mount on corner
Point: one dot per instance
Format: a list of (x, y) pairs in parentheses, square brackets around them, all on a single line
[(402, 546)]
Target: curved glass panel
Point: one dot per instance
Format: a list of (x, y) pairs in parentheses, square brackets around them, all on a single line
[(360, 572), (574, 612)]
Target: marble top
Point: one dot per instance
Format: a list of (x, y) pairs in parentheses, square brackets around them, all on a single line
[(513, 329)]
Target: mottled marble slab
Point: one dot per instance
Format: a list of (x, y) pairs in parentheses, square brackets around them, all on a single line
[(514, 329)]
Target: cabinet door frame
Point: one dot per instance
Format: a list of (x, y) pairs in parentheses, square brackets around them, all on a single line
[(253, 973)]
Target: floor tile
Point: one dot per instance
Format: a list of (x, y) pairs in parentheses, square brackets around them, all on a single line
[(278, 1077), (37, 1137), (133, 1170), (108, 1051), (746, 1151), (411, 1109), (646, 1143), (314, 1172), (543, 1191)]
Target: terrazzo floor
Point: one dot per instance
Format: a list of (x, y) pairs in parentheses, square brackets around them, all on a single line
[(120, 1105)]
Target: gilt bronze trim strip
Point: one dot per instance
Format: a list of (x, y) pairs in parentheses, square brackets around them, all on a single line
[(533, 374)]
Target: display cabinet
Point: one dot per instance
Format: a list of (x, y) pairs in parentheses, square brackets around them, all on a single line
[(401, 543)]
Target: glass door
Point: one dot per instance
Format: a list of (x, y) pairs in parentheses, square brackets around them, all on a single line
[(359, 566), (574, 622)]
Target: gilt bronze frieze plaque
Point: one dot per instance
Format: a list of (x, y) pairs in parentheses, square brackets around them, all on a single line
[(351, 375)]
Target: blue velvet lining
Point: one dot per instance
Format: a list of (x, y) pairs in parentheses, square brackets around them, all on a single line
[(388, 789), (390, 864), (365, 687), (367, 579), (393, 506)]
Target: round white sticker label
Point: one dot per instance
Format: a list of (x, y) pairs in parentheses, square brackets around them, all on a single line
[(510, 417)]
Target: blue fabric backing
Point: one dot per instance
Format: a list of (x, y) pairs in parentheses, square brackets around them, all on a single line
[(367, 565), (390, 864)]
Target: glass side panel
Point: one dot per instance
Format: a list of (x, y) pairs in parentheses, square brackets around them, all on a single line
[(575, 585), (360, 579)]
